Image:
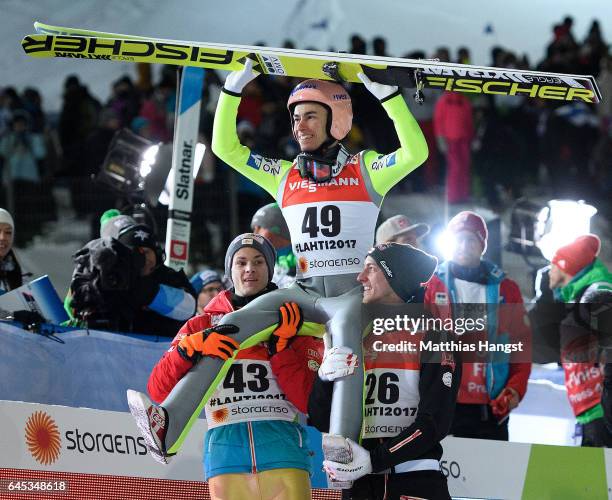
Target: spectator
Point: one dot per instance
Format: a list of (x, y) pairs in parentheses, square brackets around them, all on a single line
[(249, 453), (581, 281), (400, 229), (120, 282), (454, 131), (23, 152), (78, 118), (391, 464), (10, 270), (158, 111), (468, 286), (379, 46), (207, 284), (269, 222), (125, 101)]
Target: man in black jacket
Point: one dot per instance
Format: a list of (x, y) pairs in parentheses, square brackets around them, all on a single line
[(410, 395), (121, 283)]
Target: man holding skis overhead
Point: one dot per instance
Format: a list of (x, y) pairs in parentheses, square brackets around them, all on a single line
[(330, 199)]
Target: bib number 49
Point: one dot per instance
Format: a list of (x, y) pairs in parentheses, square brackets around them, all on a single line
[(327, 222)]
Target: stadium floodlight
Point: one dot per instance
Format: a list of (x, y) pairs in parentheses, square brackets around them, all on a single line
[(129, 160), (560, 223)]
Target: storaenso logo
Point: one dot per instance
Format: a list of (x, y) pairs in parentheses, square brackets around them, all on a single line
[(182, 185), (91, 46), (450, 469), (105, 443)]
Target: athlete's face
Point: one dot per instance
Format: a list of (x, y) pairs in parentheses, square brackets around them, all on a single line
[(468, 249), (249, 272), (310, 125), (376, 288), (6, 239)]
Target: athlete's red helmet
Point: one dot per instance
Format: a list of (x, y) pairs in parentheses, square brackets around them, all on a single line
[(331, 95)]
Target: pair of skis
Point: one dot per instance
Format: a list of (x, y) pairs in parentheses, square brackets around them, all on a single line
[(56, 41)]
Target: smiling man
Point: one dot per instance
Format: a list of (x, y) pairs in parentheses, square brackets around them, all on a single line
[(410, 395), (330, 199)]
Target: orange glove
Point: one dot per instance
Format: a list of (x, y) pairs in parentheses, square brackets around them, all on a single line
[(503, 404), (209, 342), (290, 321)]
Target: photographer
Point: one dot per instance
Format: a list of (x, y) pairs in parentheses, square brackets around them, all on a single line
[(120, 283)]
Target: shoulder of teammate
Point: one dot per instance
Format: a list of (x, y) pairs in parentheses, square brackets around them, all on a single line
[(386, 170), (262, 170)]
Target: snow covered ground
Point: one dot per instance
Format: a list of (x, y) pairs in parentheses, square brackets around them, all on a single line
[(523, 25)]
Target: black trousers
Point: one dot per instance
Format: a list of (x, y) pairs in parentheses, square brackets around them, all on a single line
[(426, 484), (478, 421)]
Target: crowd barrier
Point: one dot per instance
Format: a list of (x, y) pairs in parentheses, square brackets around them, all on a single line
[(65, 425)]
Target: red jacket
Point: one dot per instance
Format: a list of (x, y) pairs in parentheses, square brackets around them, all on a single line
[(510, 320), (453, 117), (304, 351)]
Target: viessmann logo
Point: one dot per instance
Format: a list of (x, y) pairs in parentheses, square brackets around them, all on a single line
[(43, 438)]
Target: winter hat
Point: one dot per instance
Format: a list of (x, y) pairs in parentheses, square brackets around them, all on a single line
[(256, 241), (404, 266), (581, 252), (472, 222), (397, 225), (6, 218), (138, 235), (271, 217), (112, 222), (203, 278)]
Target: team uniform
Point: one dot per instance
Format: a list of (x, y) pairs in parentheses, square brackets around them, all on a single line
[(253, 425), (408, 408), (332, 228)]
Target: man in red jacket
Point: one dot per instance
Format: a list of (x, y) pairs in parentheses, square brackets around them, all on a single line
[(469, 286), (254, 444)]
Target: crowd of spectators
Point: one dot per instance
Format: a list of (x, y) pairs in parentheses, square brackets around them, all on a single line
[(489, 149)]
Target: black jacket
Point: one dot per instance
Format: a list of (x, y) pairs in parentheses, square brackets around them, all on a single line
[(433, 419)]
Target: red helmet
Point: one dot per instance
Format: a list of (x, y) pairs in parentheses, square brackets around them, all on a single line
[(331, 95)]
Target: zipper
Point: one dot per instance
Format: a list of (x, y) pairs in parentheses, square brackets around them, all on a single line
[(252, 448), (299, 435)]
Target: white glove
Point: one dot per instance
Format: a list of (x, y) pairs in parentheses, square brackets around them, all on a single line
[(359, 466), (379, 90), (338, 362), (237, 80)]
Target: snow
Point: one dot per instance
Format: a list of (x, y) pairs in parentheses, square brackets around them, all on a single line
[(523, 25)]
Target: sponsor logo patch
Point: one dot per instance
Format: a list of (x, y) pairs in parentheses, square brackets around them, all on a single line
[(273, 65), (43, 438), (384, 161), (267, 165)]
